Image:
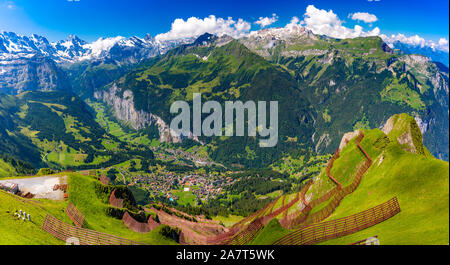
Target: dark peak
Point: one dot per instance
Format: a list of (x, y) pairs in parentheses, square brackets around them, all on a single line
[(205, 39)]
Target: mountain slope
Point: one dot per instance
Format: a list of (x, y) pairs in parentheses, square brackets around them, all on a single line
[(84, 192), (58, 129), (221, 69), (418, 180), (34, 64), (31, 73), (359, 83)]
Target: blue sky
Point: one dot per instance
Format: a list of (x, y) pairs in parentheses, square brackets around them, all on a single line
[(91, 19)]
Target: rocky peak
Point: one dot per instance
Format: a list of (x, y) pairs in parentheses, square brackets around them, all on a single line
[(404, 129)]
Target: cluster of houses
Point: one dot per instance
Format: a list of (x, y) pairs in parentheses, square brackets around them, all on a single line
[(203, 186)]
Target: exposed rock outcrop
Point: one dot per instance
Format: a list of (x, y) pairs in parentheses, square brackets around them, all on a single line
[(31, 73), (404, 129), (124, 110), (347, 136)]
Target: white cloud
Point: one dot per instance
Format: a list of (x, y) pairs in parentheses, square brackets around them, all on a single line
[(194, 26), (364, 16), (102, 44), (323, 22), (319, 21), (416, 40), (266, 21), (443, 42)]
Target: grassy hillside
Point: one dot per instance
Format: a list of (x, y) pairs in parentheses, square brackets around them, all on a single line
[(14, 167), (421, 184), (418, 180), (83, 194), (14, 231)]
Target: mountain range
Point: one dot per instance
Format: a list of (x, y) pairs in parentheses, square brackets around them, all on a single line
[(436, 55), (326, 86), (91, 120)]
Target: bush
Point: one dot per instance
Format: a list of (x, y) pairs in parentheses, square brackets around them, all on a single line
[(115, 212), (170, 232), (46, 171)]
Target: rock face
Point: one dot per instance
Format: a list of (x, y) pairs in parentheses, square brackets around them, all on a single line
[(264, 41), (347, 136), (124, 110), (404, 129), (32, 73)]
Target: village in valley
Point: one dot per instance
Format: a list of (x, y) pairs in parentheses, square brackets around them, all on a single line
[(184, 188)]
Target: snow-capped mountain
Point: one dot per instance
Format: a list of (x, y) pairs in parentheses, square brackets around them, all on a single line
[(34, 63), (73, 49)]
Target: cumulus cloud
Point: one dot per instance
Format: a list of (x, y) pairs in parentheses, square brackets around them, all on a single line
[(266, 21), (319, 21), (363, 16), (443, 42), (416, 40), (328, 23), (194, 26)]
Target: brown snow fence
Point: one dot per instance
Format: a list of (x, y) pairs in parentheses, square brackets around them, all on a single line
[(266, 219), (319, 232), (114, 201), (136, 226), (64, 231), (104, 180), (75, 215), (242, 237), (330, 165), (334, 196)]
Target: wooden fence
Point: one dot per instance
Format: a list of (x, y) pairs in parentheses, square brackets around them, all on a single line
[(136, 226), (104, 179), (75, 215), (303, 192), (330, 165), (85, 236), (266, 219), (343, 226), (242, 237), (334, 196), (114, 201)]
